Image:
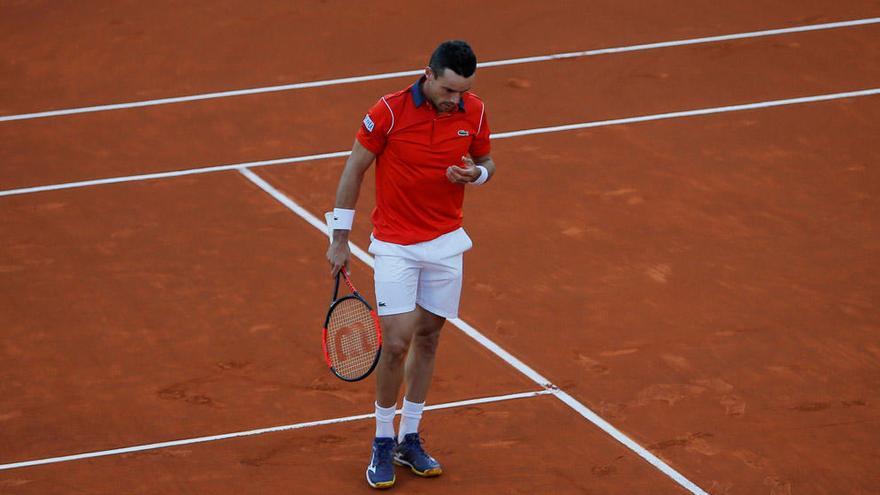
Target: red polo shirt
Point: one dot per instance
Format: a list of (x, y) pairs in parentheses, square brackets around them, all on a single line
[(414, 146)]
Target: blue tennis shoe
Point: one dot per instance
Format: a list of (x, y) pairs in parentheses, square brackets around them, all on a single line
[(380, 472), (410, 453)]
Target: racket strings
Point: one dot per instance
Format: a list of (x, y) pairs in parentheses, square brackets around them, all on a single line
[(352, 339)]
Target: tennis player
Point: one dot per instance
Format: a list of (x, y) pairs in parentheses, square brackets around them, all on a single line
[(429, 140)]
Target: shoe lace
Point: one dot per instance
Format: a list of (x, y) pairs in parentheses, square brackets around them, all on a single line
[(414, 443), (383, 453)]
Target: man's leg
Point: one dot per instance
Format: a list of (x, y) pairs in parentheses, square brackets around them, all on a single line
[(419, 370), (398, 333), (422, 351), (409, 346)]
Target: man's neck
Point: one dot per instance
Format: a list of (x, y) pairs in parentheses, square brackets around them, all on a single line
[(425, 96)]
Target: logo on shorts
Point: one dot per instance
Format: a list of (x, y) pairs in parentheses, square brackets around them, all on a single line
[(381, 304), (462, 133), (368, 123)]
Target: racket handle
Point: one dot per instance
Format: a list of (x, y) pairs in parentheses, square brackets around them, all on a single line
[(336, 286)]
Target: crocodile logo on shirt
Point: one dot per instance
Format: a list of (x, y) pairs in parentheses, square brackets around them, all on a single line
[(462, 133)]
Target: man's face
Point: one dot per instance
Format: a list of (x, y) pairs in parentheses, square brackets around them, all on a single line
[(445, 90)]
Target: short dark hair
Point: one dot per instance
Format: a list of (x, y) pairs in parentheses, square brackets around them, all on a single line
[(456, 55)]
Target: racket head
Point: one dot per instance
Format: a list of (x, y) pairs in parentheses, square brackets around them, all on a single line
[(352, 338)]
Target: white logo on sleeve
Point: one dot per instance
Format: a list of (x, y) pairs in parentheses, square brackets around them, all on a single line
[(368, 123)]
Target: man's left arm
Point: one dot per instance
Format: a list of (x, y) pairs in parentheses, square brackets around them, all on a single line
[(486, 161), (471, 170)]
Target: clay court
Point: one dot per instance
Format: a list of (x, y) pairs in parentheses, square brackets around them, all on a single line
[(674, 286)]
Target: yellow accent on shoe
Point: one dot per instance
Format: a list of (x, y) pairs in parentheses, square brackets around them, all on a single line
[(383, 485), (430, 473)]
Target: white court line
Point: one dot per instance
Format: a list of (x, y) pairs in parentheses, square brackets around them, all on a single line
[(509, 358), (297, 426), (501, 135), (409, 73), (176, 173), (691, 113)]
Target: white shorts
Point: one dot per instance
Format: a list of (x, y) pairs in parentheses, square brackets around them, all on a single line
[(428, 274)]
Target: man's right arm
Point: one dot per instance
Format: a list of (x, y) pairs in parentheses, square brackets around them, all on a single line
[(338, 255)]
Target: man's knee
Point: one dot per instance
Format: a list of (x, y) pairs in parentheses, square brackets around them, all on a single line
[(396, 336), (426, 345), (427, 336), (395, 349)]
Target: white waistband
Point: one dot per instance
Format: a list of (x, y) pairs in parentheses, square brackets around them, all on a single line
[(445, 246)]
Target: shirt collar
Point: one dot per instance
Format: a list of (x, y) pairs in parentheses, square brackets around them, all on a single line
[(419, 97)]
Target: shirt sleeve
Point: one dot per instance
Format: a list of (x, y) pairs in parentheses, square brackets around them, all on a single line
[(375, 127), (480, 145)]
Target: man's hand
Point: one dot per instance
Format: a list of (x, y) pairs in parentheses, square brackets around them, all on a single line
[(463, 175), (338, 253)]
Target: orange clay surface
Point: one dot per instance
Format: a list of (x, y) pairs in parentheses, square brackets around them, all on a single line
[(319, 120), (110, 52), (504, 447), (708, 285)]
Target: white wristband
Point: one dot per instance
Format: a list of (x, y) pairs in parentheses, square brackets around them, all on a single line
[(484, 176), (342, 219)]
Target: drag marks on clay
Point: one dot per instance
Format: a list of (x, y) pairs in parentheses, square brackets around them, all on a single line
[(161, 453), (489, 291), (518, 83), (198, 391), (14, 483), (693, 442), (499, 444), (811, 406), (619, 352), (659, 273), (751, 459), (265, 459), (777, 485), (592, 365), (273, 455), (733, 405), (10, 415), (605, 469), (612, 410), (471, 411), (184, 392), (756, 462), (678, 363), (188, 391), (624, 193), (668, 393)]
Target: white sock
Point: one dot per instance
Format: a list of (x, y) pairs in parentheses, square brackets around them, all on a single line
[(409, 418), (385, 421)]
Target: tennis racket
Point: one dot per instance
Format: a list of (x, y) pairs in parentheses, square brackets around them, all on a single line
[(352, 337)]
